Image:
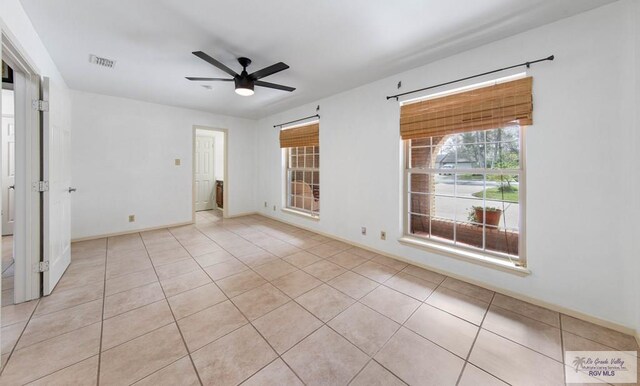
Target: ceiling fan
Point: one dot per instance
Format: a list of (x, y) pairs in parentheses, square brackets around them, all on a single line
[(244, 81)]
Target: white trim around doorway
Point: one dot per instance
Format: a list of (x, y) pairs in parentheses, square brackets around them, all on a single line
[(225, 193)]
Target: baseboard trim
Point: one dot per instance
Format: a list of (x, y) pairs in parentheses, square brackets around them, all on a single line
[(554, 307), (241, 214), (128, 232)]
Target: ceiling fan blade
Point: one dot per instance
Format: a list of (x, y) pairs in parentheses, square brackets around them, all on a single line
[(209, 79), (273, 85), (269, 70), (214, 62)]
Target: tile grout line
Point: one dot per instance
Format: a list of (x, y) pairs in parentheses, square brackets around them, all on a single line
[(13, 349), (170, 310), (104, 292)]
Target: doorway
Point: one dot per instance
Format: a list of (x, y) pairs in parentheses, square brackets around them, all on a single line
[(209, 170), (8, 141)]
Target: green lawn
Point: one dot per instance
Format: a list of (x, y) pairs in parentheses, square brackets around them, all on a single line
[(495, 194)]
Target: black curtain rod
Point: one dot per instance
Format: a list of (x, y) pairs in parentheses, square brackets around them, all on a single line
[(528, 64), (298, 120)]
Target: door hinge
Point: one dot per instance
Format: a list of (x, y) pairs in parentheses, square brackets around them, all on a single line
[(42, 266), (41, 186), (40, 105)]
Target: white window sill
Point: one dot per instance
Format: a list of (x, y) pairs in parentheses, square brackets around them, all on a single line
[(474, 257), (301, 214)]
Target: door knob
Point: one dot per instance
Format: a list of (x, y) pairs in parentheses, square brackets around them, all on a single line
[(12, 187), (71, 190)]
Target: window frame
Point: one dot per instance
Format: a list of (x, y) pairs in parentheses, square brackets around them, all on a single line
[(288, 171), (483, 255)]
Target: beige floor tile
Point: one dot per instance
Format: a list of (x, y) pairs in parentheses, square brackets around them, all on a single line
[(277, 373), (599, 334), (227, 268), (275, 269), (125, 242), (468, 289), (133, 298), (168, 256), (89, 245), (347, 259), (362, 252), (83, 373), (302, 259), (462, 306), (411, 285), (391, 303), (375, 271), (325, 302), (233, 358), (353, 284), (389, 262), (214, 258), (59, 300), (202, 248), (335, 360), (365, 328), (424, 274), (325, 250), (446, 330), (204, 327), (57, 323), (180, 372), (197, 299), (240, 283), (15, 313), (10, 335), (7, 296), (135, 323), (124, 266), (296, 283), (26, 365), (188, 281), (473, 376), (81, 277), (160, 246), (132, 280), (260, 300), (375, 375), (283, 250), (527, 309), (142, 356), (178, 268), (324, 270), (418, 361), (514, 363), (286, 326), (538, 336), (258, 258)]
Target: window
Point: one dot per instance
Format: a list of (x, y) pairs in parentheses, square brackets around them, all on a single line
[(464, 189), (303, 179), (464, 170)]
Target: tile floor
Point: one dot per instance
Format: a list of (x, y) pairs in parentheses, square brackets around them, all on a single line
[(7, 270), (257, 302)]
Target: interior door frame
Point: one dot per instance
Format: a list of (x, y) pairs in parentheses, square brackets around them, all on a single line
[(27, 279), (225, 189)]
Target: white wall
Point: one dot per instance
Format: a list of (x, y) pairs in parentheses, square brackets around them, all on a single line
[(579, 160), (123, 154)]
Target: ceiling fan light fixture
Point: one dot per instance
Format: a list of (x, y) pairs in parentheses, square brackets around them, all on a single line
[(244, 87)]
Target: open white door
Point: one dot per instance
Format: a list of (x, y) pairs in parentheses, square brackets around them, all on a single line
[(56, 212), (204, 173)]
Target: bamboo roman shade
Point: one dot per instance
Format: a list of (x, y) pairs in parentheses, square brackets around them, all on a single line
[(482, 108), (307, 135)]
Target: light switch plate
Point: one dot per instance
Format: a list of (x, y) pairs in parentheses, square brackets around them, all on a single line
[(132, 218), (177, 161)]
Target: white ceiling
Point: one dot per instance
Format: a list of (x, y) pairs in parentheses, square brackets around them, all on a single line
[(331, 45)]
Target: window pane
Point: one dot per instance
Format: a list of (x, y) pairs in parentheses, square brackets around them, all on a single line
[(444, 208), (419, 203), (470, 156), (422, 157), (505, 134), (419, 182), (503, 155), (419, 225)]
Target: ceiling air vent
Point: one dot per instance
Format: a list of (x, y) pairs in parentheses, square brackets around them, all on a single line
[(102, 62)]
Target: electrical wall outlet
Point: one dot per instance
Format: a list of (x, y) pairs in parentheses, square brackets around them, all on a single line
[(132, 218), (265, 204), (177, 161), (383, 235), (363, 231)]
